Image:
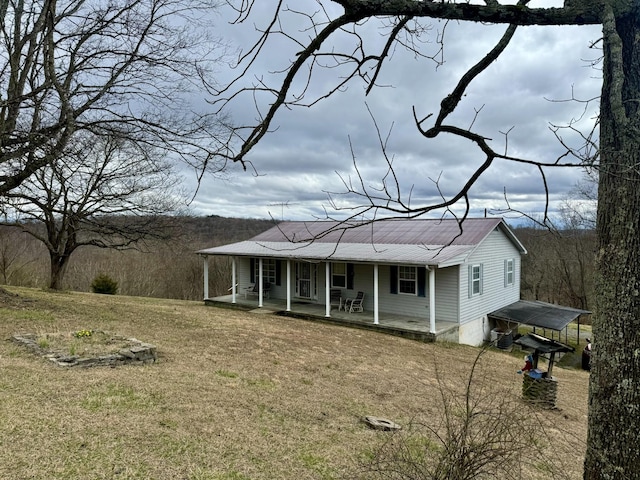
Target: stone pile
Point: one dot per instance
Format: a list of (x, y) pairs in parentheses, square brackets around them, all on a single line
[(540, 391), (135, 352)]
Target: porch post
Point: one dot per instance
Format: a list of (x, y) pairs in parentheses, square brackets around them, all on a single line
[(233, 279), (432, 299), (206, 277), (288, 285), (260, 287), (375, 294), (327, 293)]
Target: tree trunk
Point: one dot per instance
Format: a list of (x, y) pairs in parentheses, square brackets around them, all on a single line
[(614, 406), (58, 268)]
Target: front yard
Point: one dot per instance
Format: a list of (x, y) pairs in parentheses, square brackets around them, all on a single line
[(236, 395)]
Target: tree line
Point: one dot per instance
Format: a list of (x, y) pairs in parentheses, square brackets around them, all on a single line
[(163, 267)]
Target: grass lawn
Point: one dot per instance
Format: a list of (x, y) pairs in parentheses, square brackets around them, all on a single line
[(237, 395)]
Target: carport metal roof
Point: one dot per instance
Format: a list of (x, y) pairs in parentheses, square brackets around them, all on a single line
[(538, 314)]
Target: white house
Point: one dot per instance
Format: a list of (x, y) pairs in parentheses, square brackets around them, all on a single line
[(431, 271)]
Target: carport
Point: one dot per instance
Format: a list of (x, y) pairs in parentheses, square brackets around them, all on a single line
[(539, 314)]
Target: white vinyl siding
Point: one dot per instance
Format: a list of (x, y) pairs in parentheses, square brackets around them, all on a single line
[(491, 254), (447, 294), (411, 305), (243, 274)]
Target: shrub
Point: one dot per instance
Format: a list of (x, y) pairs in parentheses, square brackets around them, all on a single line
[(104, 284)]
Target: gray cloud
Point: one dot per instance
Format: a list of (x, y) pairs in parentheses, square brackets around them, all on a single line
[(298, 162)]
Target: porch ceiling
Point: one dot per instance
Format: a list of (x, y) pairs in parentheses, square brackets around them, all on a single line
[(538, 314)]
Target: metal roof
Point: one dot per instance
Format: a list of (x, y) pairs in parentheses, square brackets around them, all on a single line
[(391, 231), (411, 241), (538, 314), (542, 344)]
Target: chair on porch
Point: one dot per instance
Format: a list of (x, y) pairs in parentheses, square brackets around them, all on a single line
[(354, 304), (254, 290), (335, 299)]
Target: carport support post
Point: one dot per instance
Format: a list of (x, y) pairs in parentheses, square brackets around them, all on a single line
[(327, 293), (206, 277), (550, 369), (432, 299)]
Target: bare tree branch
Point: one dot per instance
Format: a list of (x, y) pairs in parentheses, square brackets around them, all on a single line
[(115, 67)]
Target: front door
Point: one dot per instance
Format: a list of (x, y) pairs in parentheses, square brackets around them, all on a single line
[(305, 280)]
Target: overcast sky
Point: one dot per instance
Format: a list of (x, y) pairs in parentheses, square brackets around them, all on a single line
[(314, 147)]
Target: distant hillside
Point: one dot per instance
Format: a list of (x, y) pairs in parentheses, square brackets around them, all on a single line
[(213, 230)]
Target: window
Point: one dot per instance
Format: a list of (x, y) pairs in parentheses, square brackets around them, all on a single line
[(475, 285), (339, 275), (509, 272), (268, 270), (407, 280)]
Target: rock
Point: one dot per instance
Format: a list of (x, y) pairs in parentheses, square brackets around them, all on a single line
[(135, 352), (378, 423)]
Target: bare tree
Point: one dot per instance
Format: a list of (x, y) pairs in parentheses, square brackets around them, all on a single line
[(119, 67), (104, 192), (615, 373), (559, 264)]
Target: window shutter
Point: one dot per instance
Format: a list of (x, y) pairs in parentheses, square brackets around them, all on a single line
[(470, 281), (393, 279), (350, 275), (278, 272), (252, 270), (422, 281), (506, 273), (481, 277)]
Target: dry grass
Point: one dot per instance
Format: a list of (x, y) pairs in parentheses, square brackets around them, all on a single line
[(81, 343), (234, 395)]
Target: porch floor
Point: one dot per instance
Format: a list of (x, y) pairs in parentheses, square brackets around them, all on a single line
[(400, 325)]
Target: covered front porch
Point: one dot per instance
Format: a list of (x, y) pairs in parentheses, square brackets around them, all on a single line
[(400, 325)]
